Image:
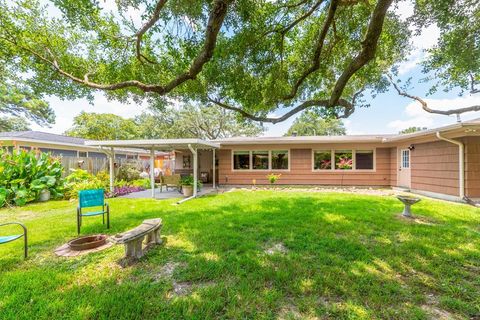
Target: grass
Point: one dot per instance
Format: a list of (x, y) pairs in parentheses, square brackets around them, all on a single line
[(340, 256)]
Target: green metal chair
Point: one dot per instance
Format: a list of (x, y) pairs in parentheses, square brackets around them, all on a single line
[(6, 239), (89, 199)]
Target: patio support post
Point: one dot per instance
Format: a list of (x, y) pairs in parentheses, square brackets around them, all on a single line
[(213, 166), (152, 171), (195, 167), (112, 169)]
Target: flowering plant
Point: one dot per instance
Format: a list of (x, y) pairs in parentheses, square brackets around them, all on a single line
[(272, 177)]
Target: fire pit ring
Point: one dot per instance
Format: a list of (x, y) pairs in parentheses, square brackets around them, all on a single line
[(88, 242)]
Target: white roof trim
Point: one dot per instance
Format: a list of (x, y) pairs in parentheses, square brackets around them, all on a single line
[(169, 144)]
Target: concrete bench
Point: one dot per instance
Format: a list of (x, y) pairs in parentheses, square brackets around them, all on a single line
[(133, 239)]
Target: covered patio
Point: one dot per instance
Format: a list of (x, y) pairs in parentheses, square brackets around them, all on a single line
[(165, 145)]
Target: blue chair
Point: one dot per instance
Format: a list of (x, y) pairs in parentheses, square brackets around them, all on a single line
[(6, 239), (89, 199)]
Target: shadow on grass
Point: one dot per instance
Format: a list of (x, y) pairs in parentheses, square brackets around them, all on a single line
[(346, 256)]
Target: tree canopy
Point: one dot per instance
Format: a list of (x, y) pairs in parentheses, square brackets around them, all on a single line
[(310, 123), (254, 57), (102, 126), (412, 130), (187, 121), (13, 124), (190, 121), (19, 103), (454, 62)]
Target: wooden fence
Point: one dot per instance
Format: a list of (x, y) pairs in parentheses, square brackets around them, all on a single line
[(94, 165)]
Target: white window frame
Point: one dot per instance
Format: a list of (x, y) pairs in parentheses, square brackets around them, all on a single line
[(250, 166), (402, 159), (354, 164), (78, 154)]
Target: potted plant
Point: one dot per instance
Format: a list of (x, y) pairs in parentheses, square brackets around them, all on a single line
[(187, 185)]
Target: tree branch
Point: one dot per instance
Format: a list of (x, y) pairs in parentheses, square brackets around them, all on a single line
[(153, 19), (318, 50), (215, 21), (369, 48), (304, 105), (425, 106)]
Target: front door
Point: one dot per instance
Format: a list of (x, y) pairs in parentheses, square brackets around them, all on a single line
[(404, 169)]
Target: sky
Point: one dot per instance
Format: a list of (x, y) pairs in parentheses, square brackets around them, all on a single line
[(388, 112)]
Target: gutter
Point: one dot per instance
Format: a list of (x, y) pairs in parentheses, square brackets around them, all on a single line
[(461, 163)]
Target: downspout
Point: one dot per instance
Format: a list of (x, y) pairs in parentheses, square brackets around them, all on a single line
[(461, 163)]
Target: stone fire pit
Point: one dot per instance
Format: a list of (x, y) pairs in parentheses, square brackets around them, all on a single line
[(408, 201), (83, 245), (88, 242)]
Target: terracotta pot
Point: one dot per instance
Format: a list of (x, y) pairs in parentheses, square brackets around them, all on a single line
[(187, 191)]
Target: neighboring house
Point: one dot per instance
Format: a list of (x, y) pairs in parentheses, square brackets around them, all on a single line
[(443, 162), (71, 149)]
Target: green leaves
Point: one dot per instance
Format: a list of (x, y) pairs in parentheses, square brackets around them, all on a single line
[(24, 174)]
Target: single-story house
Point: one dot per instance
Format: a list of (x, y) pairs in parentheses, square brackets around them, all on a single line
[(442, 162)]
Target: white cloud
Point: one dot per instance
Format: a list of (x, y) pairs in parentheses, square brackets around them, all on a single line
[(417, 117)]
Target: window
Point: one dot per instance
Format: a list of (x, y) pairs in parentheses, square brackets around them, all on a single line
[(405, 159), (322, 160), (241, 160), (343, 160), (280, 160), (364, 159), (187, 162), (82, 154), (260, 160)]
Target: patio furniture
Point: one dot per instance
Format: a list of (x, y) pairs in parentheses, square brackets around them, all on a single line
[(6, 239), (172, 181), (133, 239), (89, 199), (408, 201)]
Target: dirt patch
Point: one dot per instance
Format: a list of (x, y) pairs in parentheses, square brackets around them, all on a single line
[(184, 288), (436, 313), (416, 220), (277, 248), (167, 270)]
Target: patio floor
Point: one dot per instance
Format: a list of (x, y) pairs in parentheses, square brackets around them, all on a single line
[(170, 194)]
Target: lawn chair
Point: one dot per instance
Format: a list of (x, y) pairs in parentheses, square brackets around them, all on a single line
[(89, 199), (172, 181), (6, 239)]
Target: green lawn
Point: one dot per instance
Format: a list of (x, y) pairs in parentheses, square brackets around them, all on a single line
[(334, 256)]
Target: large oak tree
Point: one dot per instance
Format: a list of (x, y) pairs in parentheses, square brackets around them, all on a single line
[(254, 57)]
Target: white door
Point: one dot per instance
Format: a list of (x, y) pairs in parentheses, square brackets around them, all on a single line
[(404, 178)]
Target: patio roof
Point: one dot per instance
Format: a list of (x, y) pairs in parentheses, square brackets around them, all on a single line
[(157, 144)]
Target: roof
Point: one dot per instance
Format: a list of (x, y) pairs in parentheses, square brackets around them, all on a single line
[(302, 139), (43, 137), (54, 139), (157, 144), (458, 125)]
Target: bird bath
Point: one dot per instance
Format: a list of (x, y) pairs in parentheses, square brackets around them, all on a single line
[(408, 201)]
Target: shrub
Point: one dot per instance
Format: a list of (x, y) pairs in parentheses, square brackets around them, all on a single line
[(272, 178), (24, 174), (81, 180), (128, 172), (144, 183)]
